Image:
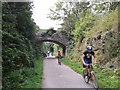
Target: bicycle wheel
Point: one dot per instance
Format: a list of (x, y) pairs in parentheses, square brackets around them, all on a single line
[(84, 73), (94, 81), (59, 62), (86, 79)]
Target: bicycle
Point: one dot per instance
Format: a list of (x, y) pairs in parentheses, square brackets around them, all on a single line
[(59, 60), (52, 53), (90, 76)]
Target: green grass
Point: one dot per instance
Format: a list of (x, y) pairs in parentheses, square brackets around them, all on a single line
[(75, 65), (35, 80), (107, 78), (26, 77)]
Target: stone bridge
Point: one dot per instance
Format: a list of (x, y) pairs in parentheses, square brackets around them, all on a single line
[(58, 38)]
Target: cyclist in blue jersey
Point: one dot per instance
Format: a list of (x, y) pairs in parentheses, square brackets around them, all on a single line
[(87, 57)]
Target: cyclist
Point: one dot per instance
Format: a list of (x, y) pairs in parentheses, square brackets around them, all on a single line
[(87, 58), (44, 54), (51, 50), (48, 53), (59, 56)]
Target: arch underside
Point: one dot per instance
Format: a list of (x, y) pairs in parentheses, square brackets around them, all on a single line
[(41, 41), (60, 44)]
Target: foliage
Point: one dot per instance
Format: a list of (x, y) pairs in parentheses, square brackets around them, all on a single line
[(19, 50), (104, 24), (83, 26), (107, 45), (69, 13), (25, 77), (56, 48), (49, 32), (75, 16), (34, 79)]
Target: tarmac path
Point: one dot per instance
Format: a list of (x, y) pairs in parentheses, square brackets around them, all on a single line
[(61, 76)]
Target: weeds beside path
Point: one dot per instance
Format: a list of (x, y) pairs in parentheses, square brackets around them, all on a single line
[(35, 79)]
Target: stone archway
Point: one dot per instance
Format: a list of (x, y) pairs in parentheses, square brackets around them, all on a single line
[(58, 38), (61, 45)]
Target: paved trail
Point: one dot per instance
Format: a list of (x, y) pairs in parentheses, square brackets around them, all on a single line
[(61, 76)]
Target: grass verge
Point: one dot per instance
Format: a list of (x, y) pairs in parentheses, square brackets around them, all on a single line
[(35, 79), (107, 78), (26, 77)]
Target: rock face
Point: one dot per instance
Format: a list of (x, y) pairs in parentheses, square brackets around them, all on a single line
[(106, 47), (113, 63)]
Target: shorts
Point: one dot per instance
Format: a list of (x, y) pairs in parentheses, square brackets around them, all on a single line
[(87, 62), (84, 66)]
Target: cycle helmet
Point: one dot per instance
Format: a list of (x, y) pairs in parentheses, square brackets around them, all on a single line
[(89, 47)]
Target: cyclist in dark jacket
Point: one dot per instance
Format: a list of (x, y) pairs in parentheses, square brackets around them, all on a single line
[(87, 57), (52, 50)]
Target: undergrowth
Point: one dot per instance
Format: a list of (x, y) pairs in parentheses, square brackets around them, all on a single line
[(35, 76), (26, 77)]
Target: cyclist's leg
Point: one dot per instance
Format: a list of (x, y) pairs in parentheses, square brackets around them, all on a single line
[(86, 67), (90, 67), (52, 53), (58, 58), (87, 70)]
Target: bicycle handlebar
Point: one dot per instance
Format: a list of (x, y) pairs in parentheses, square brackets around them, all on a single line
[(90, 64)]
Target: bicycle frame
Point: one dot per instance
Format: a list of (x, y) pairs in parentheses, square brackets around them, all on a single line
[(59, 60), (91, 76), (89, 68)]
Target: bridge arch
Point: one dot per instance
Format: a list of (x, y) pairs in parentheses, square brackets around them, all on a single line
[(56, 42), (58, 38)]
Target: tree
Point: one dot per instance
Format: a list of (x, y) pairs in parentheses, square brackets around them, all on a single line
[(18, 47)]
